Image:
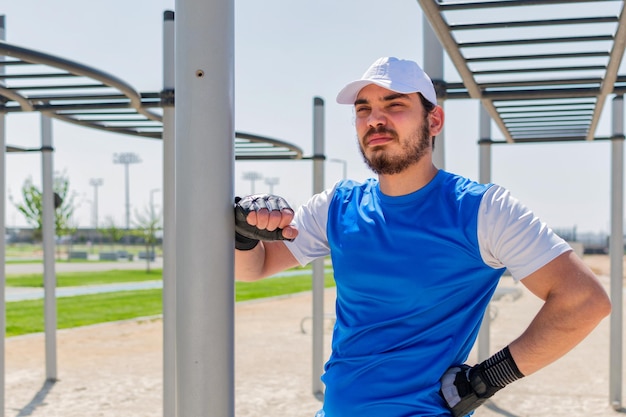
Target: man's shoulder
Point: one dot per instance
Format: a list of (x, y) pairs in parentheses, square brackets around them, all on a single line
[(461, 185)]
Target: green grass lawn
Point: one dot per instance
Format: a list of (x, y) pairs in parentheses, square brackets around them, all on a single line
[(71, 279), (23, 317)]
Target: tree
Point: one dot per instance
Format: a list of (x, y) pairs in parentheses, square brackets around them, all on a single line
[(32, 206), (148, 223), (111, 230)]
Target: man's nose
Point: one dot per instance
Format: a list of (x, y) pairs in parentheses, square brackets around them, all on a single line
[(376, 118)]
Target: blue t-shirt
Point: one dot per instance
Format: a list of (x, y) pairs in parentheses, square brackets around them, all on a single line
[(412, 289)]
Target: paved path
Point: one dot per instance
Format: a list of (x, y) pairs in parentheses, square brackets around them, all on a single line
[(28, 293), (31, 293), (33, 268)]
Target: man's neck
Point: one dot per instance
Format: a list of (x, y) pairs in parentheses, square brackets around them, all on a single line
[(408, 181)]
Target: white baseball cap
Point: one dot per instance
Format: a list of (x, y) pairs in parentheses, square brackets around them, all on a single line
[(399, 75)]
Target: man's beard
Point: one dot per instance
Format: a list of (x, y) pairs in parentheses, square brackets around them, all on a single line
[(413, 149)]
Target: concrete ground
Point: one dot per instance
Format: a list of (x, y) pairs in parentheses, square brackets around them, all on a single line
[(116, 369)]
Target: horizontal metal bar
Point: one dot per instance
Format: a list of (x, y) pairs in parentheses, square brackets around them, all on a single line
[(129, 120), (82, 97), (536, 94), (82, 106), (542, 69), (548, 118), (550, 82), (121, 112), (14, 62), (507, 115), (541, 110), (124, 123), (506, 3), (536, 41), (549, 139), (546, 106), (539, 56), (59, 87), (545, 119), (534, 23), (36, 76), (544, 131), (554, 138), (560, 128)]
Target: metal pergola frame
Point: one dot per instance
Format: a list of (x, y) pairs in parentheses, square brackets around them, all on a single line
[(500, 78), (66, 90), (512, 55), (33, 81)]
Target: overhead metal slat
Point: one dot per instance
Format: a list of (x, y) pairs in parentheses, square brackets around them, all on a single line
[(485, 46), (120, 110)]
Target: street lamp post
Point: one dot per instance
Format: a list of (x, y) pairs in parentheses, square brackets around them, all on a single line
[(272, 182), (126, 159), (252, 176), (95, 183), (345, 166), (152, 220)]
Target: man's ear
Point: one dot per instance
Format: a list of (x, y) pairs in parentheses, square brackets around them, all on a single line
[(435, 121)]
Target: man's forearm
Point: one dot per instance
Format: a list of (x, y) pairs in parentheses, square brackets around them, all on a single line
[(249, 263), (555, 330)]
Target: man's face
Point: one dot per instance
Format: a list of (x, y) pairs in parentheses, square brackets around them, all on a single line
[(392, 128)]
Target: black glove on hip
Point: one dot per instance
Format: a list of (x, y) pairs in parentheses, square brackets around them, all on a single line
[(465, 388)]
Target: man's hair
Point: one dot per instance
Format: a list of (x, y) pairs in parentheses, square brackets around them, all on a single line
[(428, 107)]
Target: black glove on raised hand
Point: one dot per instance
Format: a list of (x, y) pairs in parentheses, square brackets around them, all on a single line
[(465, 388), (248, 236)]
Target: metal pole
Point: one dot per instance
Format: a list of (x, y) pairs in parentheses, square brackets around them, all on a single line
[(95, 182), (318, 264), (48, 229), (153, 223), (127, 194), (616, 252), (204, 178), (169, 224), (484, 176), (344, 166), (2, 230), (433, 66), (126, 159)]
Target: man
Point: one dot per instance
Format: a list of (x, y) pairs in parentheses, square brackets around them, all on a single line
[(417, 255)]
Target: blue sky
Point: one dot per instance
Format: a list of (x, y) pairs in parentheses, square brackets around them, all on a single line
[(286, 53)]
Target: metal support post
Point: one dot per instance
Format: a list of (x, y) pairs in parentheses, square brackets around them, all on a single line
[(484, 176), (616, 253), (318, 264), (48, 229), (433, 66), (169, 224), (205, 159)]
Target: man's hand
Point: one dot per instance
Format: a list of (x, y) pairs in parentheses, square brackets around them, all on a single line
[(465, 388), (262, 217)]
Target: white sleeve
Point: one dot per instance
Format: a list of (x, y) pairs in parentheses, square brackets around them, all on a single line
[(310, 219), (511, 236)]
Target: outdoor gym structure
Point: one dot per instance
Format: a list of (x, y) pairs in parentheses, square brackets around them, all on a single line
[(523, 78)]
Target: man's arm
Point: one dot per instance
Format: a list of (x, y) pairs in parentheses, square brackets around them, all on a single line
[(267, 258), (575, 302)]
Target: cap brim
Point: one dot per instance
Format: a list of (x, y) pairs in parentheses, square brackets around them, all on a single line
[(350, 92)]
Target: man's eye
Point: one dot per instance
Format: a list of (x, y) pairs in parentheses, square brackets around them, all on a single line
[(362, 109)]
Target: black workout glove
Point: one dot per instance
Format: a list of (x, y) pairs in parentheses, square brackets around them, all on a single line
[(465, 388), (248, 236)]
